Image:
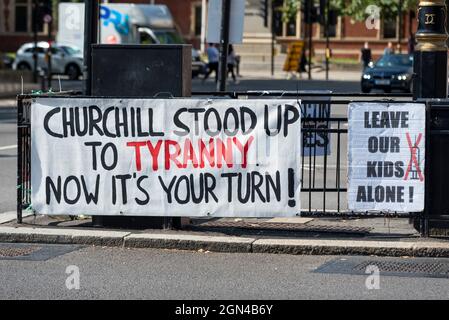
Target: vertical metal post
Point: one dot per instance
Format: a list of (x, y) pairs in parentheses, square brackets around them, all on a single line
[(203, 25), (430, 81), (310, 23), (91, 15), (19, 158), (35, 8), (421, 223), (49, 55), (400, 25), (272, 37), (224, 45), (430, 57), (327, 38)]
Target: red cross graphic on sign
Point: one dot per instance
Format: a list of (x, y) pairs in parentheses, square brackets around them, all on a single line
[(413, 159)]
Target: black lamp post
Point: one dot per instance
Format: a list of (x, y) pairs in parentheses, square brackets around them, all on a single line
[(430, 57)]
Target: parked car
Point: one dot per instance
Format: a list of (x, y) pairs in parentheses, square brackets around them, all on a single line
[(6, 61), (392, 71), (198, 65), (65, 59)]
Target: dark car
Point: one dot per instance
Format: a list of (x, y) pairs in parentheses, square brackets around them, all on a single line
[(392, 71)]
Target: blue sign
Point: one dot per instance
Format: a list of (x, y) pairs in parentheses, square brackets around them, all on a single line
[(119, 20)]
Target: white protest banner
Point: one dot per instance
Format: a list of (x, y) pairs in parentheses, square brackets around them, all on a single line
[(386, 146), (165, 157)]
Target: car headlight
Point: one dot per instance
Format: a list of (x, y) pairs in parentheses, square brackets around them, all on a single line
[(366, 76), (402, 77)]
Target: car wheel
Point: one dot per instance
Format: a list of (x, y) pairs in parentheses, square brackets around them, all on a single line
[(23, 66), (73, 72), (366, 90)]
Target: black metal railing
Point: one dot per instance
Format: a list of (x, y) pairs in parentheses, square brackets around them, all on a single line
[(23, 155), (324, 147), (323, 167)]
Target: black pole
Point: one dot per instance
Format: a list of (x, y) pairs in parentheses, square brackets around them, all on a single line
[(430, 81), (224, 45), (310, 23), (49, 55), (400, 26), (430, 57), (272, 37), (91, 15), (35, 8), (327, 38)]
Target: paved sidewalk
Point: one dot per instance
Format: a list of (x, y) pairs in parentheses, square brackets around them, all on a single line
[(317, 74), (373, 236), (11, 89), (8, 102)]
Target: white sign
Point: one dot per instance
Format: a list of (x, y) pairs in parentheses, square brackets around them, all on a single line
[(214, 16), (71, 24), (165, 157), (386, 144)]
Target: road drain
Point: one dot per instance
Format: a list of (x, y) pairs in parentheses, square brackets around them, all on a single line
[(33, 252), (413, 267), (10, 252), (273, 226)]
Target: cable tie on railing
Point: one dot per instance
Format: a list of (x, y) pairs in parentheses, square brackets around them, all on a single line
[(60, 86), (170, 95), (282, 94)]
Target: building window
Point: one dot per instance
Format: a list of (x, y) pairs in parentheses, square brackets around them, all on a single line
[(197, 19), (284, 29), (291, 27), (21, 16), (389, 28), (277, 20), (333, 26), (24, 15)]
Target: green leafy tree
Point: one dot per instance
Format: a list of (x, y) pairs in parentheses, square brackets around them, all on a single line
[(356, 9)]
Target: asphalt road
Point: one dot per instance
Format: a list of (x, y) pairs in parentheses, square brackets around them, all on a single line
[(8, 158), (117, 273)]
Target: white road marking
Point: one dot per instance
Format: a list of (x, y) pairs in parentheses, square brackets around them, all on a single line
[(13, 146)]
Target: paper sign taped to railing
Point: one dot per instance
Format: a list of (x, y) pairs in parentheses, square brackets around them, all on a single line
[(386, 146), (165, 157), (316, 116)]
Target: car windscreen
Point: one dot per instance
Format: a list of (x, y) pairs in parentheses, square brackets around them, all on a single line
[(70, 50), (168, 37), (395, 60)]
